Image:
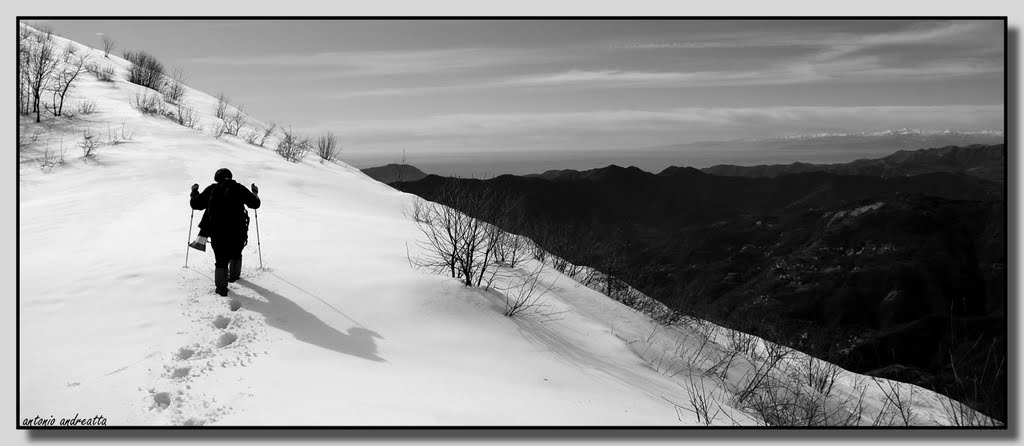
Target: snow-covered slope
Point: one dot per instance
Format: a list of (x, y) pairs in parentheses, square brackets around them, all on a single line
[(336, 328)]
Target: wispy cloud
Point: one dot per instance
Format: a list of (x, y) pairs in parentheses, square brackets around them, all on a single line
[(692, 122), (393, 62), (860, 69), (940, 33)]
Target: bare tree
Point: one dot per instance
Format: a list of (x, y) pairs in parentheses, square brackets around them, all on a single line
[(41, 62), (234, 123), (327, 146), (222, 106), (267, 132), (461, 238), (25, 42), (174, 86), (63, 82), (108, 45)]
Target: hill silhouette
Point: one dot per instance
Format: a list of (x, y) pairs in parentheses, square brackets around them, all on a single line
[(894, 276), (394, 172)]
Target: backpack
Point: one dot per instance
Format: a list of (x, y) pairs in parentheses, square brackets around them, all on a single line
[(220, 209)]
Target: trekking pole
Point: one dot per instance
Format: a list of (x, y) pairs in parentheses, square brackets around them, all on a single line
[(190, 219), (259, 248)]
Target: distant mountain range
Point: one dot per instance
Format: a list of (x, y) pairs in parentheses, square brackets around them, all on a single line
[(823, 148), (891, 267), (982, 161), (394, 173)]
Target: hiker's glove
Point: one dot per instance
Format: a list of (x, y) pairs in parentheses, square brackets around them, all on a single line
[(195, 188), (255, 189)]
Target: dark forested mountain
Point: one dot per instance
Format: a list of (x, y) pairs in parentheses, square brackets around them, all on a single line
[(982, 161), (394, 172), (901, 276)]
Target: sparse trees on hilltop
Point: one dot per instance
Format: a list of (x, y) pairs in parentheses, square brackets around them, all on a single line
[(145, 70), (108, 45), (40, 60)]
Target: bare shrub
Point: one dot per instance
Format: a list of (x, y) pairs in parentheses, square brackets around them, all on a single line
[(525, 295), (145, 70), (222, 107), (49, 160), (979, 374), (898, 407), (147, 102), (512, 250), (293, 147), (820, 375), (327, 146), (103, 73), (537, 251), (118, 136), (251, 136), (703, 402), (69, 51), (760, 379), (233, 123), (267, 132), (744, 343), (108, 45), (87, 106), (89, 143), (174, 86), (217, 130), (25, 139), (183, 115)]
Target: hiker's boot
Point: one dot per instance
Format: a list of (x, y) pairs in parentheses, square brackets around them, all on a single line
[(234, 270), (220, 279)]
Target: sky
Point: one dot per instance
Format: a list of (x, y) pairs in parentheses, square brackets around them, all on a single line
[(520, 95)]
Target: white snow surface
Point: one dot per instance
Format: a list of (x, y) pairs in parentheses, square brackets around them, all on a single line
[(336, 328)]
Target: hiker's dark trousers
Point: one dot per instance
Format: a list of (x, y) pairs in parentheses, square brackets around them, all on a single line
[(226, 250)]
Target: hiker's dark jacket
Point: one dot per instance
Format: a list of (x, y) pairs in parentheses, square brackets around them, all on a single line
[(225, 217)]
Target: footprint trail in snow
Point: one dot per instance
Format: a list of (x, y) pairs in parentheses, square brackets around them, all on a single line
[(198, 384)]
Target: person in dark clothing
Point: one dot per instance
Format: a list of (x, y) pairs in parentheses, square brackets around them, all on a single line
[(226, 222)]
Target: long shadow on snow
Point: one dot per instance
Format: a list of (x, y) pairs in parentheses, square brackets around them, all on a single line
[(280, 312)]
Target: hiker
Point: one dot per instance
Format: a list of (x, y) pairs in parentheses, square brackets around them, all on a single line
[(226, 222)]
